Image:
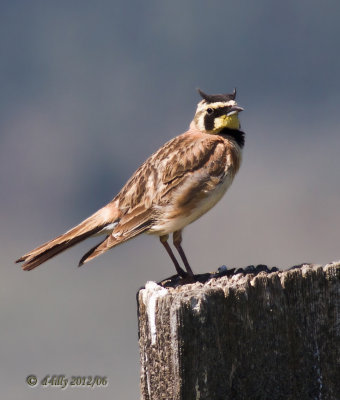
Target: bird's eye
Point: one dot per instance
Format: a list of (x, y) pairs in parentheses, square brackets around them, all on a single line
[(210, 111)]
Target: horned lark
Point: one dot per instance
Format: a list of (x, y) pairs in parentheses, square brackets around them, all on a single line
[(176, 185)]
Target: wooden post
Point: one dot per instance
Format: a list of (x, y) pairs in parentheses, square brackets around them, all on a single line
[(250, 335)]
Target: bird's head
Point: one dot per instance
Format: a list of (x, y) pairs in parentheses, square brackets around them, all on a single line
[(216, 112)]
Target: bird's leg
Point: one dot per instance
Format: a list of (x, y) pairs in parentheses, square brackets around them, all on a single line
[(177, 240), (164, 241)]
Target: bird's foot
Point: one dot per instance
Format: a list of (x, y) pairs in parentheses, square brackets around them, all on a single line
[(177, 280)]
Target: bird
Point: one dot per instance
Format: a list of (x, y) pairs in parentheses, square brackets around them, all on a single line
[(175, 186)]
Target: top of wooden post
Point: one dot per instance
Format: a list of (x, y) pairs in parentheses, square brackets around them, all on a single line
[(249, 333)]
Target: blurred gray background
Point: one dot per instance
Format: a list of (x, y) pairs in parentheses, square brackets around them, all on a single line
[(88, 91)]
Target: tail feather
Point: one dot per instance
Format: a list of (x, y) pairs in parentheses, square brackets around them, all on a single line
[(129, 227), (107, 244), (92, 225), (40, 258), (92, 253)]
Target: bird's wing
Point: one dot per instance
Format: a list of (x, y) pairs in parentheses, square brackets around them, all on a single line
[(207, 153), (172, 163), (196, 170)]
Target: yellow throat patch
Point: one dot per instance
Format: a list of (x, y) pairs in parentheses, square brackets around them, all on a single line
[(227, 121)]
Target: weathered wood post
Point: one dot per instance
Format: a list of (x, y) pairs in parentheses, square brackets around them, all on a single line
[(250, 335)]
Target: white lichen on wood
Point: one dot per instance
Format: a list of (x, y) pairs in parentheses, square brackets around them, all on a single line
[(150, 295)]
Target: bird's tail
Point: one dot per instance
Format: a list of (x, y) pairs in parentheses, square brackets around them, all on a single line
[(90, 226)]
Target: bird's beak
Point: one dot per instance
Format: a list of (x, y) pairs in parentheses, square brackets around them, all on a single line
[(234, 110)]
